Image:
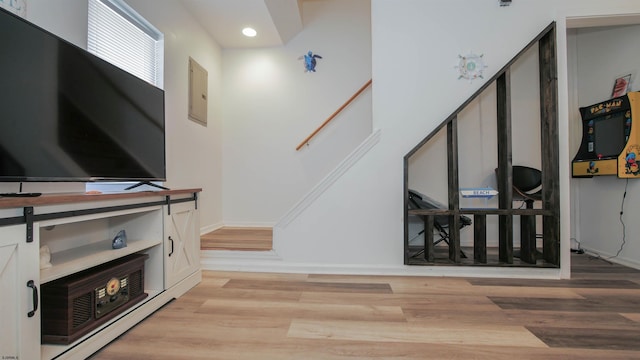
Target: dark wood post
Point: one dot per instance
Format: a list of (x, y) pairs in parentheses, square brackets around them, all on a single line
[(480, 238), (549, 145), (454, 194), (505, 182), (428, 237)]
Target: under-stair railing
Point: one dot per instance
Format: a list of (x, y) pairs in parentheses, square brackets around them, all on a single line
[(316, 131), (549, 211)]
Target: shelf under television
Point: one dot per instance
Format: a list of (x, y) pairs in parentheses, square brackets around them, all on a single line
[(87, 256)]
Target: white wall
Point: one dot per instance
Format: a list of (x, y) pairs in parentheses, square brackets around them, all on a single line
[(357, 223), (603, 54), (64, 18), (271, 104), (194, 152), (415, 49)]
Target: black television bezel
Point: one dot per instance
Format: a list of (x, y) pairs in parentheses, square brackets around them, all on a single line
[(91, 178)]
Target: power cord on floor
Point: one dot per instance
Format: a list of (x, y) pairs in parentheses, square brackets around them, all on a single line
[(594, 256), (579, 249), (624, 229)]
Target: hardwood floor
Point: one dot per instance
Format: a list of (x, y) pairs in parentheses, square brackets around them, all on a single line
[(595, 315), (239, 239)]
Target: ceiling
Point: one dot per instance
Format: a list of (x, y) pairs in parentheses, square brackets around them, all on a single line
[(276, 21)]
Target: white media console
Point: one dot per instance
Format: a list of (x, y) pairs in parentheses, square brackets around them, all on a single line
[(78, 230)]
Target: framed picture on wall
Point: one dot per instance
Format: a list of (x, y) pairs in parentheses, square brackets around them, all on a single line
[(621, 86)]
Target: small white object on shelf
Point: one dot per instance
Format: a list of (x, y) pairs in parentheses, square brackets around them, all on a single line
[(120, 241), (45, 257)]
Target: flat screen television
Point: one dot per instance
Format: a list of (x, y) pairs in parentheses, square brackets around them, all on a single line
[(67, 115)]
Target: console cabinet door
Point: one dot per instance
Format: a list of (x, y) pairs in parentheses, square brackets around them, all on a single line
[(19, 281), (182, 242)]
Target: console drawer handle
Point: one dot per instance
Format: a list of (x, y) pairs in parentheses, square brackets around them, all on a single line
[(32, 285), (171, 252)]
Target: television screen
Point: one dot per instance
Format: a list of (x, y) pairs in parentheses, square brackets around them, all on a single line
[(67, 115), (609, 135)]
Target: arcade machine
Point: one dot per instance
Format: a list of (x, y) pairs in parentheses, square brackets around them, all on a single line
[(610, 139)]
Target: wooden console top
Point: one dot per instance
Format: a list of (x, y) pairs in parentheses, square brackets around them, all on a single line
[(64, 198)]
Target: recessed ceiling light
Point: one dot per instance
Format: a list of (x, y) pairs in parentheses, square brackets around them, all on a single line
[(250, 32)]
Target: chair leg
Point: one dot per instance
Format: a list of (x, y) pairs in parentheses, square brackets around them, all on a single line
[(528, 236), (444, 236), (528, 239), (446, 241)]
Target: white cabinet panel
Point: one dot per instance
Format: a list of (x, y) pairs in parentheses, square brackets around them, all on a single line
[(182, 242), (20, 330)]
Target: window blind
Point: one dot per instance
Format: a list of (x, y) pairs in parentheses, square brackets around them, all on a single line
[(116, 33)]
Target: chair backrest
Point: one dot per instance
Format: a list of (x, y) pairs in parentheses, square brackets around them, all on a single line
[(526, 179), (421, 201)]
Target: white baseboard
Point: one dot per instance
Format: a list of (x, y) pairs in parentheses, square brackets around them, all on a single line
[(269, 261)]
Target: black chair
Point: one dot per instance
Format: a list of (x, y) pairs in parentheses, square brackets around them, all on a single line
[(527, 187), (440, 222), (527, 184)]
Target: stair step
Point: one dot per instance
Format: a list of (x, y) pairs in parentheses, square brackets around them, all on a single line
[(238, 238)]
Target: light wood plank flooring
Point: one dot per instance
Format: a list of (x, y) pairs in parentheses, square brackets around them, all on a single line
[(595, 315), (239, 239)]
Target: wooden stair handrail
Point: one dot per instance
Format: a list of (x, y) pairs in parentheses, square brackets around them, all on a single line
[(305, 141)]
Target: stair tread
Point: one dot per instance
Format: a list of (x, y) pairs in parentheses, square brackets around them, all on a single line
[(238, 238)]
